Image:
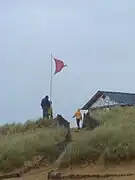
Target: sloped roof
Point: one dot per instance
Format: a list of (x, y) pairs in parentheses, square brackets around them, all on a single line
[(119, 97)]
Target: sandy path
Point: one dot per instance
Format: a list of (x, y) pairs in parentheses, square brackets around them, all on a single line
[(41, 174)]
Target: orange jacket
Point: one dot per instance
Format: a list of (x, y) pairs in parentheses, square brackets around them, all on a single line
[(78, 115)]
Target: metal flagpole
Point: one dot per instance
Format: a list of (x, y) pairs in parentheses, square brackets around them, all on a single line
[(51, 78), (51, 86)]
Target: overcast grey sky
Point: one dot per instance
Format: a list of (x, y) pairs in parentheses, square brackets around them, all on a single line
[(95, 38)]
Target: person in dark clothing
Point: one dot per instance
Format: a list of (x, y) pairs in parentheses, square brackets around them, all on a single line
[(45, 104)]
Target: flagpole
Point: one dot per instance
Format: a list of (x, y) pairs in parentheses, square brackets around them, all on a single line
[(51, 78)]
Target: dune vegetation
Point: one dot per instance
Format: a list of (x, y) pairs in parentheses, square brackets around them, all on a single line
[(19, 143), (112, 141)]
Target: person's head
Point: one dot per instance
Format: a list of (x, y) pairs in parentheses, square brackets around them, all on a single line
[(46, 97), (78, 110)]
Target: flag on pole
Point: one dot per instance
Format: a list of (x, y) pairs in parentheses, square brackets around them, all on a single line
[(59, 65)]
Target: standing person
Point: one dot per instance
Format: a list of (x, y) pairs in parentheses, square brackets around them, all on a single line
[(50, 111), (45, 104), (78, 116)]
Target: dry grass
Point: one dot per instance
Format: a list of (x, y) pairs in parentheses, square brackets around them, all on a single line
[(114, 140), (30, 125), (21, 145)]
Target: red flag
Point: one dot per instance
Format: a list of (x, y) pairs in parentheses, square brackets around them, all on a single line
[(59, 65)]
